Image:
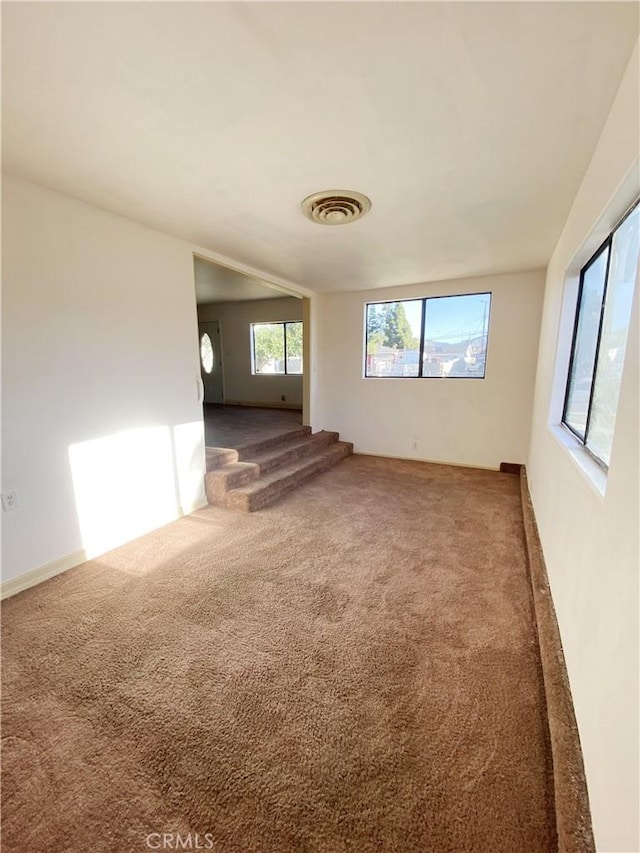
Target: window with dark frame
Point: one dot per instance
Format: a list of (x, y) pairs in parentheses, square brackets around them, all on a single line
[(603, 311), (276, 348), (431, 337)]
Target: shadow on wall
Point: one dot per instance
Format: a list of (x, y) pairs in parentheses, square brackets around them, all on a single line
[(134, 481)]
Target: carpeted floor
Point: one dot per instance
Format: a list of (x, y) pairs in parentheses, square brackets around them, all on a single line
[(354, 668)]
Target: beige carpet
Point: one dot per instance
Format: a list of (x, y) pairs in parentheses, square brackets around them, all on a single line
[(354, 668)]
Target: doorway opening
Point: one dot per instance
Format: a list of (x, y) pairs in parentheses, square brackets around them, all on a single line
[(252, 391)]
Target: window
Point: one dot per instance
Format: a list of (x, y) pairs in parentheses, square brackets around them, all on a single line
[(206, 353), (276, 348), (600, 337), (442, 336)]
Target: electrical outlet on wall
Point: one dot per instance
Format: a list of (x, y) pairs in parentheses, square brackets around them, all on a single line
[(9, 501), (414, 445), (283, 397)]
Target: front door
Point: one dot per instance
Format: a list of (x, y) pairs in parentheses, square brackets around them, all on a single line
[(211, 361)]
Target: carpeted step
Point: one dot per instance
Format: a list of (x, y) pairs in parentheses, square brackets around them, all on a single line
[(219, 481), (255, 447), (283, 454), (232, 475), (216, 457), (279, 482)]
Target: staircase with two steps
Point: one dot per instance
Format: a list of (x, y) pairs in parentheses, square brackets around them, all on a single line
[(250, 477)]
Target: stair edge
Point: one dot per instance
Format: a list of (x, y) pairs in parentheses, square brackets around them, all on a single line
[(251, 501)]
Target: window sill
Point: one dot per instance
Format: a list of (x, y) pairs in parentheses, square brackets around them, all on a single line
[(594, 474)]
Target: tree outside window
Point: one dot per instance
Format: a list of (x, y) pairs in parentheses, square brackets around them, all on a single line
[(276, 348)]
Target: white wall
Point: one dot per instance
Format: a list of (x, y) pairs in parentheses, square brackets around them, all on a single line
[(590, 540), (240, 385), (462, 421), (102, 432)]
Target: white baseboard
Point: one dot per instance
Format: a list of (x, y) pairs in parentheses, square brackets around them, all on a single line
[(256, 404), (36, 576), (422, 459), (15, 585)]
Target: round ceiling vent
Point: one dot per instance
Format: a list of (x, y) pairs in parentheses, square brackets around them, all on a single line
[(335, 207)]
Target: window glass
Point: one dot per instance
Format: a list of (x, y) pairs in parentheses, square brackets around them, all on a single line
[(600, 338), (455, 336), (615, 326), (393, 338), (293, 333), (277, 348), (206, 353), (449, 332), (268, 348), (585, 344)]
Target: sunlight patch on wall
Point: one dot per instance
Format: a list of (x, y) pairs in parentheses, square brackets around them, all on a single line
[(125, 485), (188, 441)]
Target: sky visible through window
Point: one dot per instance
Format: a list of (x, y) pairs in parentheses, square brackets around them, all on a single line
[(622, 305), (450, 319)]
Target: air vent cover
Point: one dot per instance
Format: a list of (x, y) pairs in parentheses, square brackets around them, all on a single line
[(335, 207)]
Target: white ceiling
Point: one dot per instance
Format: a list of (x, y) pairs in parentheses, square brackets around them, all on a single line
[(469, 125), (215, 283)]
